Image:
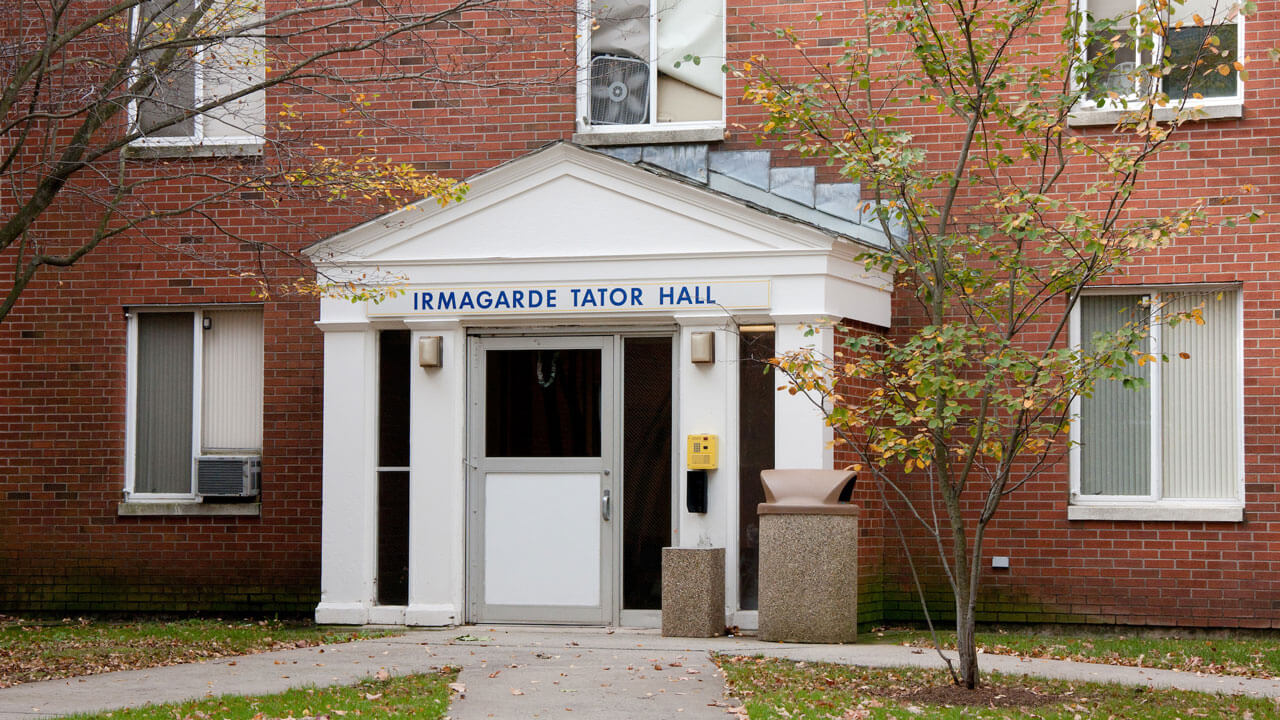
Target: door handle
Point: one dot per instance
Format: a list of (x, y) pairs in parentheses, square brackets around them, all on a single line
[(605, 510)]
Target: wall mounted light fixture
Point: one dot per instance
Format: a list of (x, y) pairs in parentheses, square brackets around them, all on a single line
[(431, 351), (702, 347)]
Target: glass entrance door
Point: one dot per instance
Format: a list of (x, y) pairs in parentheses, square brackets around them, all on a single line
[(542, 492)]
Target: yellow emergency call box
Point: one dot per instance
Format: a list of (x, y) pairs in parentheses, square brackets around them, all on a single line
[(703, 452)]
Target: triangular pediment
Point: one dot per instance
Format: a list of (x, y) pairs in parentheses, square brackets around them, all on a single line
[(567, 202)]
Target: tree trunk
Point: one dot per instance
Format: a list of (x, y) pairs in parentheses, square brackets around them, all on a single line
[(966, 643), (963, 583)]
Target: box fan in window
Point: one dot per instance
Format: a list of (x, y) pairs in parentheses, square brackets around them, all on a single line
[(619, 90)]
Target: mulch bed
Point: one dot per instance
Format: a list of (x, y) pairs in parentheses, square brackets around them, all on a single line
[(992, 696)]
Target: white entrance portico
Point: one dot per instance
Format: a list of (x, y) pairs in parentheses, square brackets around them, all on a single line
[(563, 297)]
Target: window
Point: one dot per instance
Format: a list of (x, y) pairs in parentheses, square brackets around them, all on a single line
[(1176, 441), (1200, 41), (651, 64), (196, 76), (195, 390)]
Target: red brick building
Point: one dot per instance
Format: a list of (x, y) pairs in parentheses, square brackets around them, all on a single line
[(505, 441)]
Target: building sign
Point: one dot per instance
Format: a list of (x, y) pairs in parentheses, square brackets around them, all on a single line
[(584, 297)]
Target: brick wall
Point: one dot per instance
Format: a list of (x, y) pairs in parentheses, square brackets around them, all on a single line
[(1193, 574), (63, 352), (63, 547)]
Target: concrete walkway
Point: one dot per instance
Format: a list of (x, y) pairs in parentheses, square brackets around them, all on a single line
[(538, 672)]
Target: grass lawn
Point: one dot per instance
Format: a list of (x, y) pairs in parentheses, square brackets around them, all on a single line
[(32, 650), (412, 697), (1251, 656), (784, 689)]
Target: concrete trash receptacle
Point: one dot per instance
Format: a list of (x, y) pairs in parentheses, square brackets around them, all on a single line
[(808, 557)]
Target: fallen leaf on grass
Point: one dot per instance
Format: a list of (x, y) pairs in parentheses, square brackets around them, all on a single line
[(382, 676), (373, 696), (458, 688)]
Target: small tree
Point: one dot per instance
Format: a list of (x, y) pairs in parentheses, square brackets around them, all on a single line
[(105, 104), (955, 115)]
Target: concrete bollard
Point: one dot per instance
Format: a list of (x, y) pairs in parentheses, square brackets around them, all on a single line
[(692, 592)]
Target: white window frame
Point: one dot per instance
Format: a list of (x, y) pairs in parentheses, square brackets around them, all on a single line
[(197, 410), (1088, 112), (688, 131), (1152, 506), (197, 137)]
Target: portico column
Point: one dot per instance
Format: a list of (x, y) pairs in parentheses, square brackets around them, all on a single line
[(708, 394), (347, 542), (801, 436), (437, 479)]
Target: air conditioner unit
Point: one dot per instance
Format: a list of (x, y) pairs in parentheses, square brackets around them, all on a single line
[(619, 90), (228, 476)]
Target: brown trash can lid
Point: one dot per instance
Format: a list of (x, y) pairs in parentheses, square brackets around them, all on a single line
[(808, 492)]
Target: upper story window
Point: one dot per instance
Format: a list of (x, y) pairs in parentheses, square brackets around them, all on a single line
[(195, 394), (1200, 41), (197, 74), (651, 65), (1171, 446)]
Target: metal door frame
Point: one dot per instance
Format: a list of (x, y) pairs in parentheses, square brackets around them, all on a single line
[(478, 465)]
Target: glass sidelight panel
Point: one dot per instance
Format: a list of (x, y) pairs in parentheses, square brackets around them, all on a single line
[(646, 469), (393, 538), (755, 432), (393, 398), (393, 461), (542, 403)]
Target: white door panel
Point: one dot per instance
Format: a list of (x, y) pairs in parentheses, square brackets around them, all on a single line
[(542, 539)]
